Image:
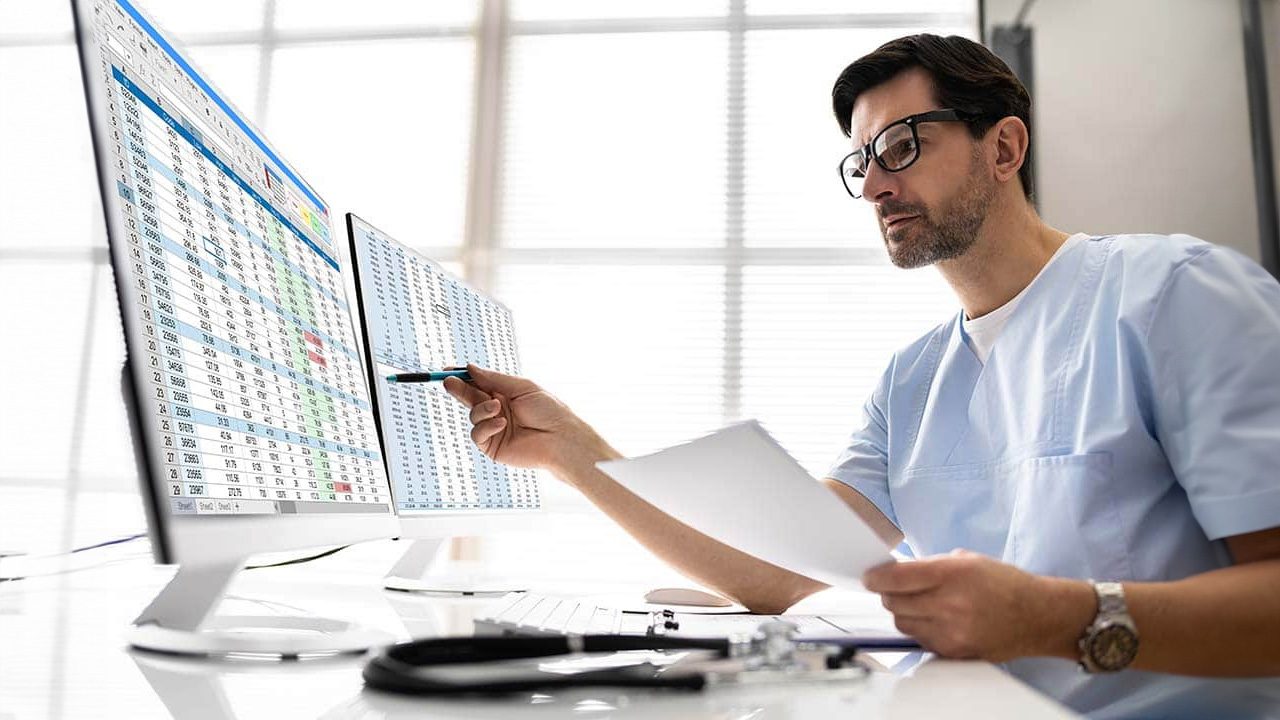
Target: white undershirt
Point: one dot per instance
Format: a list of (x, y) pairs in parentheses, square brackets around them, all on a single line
[(983, 331)]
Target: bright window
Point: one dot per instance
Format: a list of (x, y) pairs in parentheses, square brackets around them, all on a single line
[(663, 216)]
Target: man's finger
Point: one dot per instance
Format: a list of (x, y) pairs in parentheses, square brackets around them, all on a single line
[(903, 577), (917, 628), (495, 382), (467, 394), (910, 605), (485, 410), (482, 432)]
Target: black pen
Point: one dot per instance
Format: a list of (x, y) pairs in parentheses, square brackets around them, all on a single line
[(429, 376)]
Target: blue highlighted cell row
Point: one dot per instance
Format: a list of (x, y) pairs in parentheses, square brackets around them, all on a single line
[(158, 165), (191, 332), (234, 283), (208, 419)]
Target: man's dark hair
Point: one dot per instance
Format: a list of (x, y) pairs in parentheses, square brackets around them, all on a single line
[(966, 77)]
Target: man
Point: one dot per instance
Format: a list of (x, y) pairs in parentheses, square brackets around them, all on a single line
[(1104, 408)]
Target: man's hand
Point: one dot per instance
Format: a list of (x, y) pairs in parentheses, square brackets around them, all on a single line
[(515, 422), (966, 605)]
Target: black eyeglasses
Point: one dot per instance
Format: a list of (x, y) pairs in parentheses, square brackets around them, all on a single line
[(894, 148)]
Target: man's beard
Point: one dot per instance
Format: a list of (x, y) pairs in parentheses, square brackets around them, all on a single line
[(944, 235)]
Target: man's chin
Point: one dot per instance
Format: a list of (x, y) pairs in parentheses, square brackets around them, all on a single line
[(904, 253), (896, 237), (908, 261)]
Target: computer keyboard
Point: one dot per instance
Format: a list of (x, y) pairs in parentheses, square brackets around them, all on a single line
[(537, 614)]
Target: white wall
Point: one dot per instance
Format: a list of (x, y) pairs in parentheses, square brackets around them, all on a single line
[(1141, 117)]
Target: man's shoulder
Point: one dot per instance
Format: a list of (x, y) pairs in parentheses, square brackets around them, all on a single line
[(1152, 259), (912, 354), (1142, 266)]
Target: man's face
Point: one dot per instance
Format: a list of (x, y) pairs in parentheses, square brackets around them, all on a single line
[(933, 209)]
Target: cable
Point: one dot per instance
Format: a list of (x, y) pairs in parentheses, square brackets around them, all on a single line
[(117, 541), (49, 556), (95, 546), (68, 571), (131, 538), (299, 561)]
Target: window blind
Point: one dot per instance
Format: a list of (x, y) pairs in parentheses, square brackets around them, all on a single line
[(671, 229), (667, 222)]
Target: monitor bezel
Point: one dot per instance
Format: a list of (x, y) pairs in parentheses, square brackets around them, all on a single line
[(199, 539), (441, 523)]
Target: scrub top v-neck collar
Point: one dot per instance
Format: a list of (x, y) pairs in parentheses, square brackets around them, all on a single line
[(982, 333), (961, 380)]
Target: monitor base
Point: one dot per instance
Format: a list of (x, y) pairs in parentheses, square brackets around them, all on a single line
[(463, 585), (261, 637), (414, 573), (192, 687), (180, 621)]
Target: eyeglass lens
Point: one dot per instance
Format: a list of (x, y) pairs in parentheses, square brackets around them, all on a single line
[(895, 149)]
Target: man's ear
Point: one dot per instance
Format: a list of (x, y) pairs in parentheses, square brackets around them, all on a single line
[(1012, 141)]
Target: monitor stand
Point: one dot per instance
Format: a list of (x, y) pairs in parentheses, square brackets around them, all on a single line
[(417, 571), (193, 689), (180, 621)]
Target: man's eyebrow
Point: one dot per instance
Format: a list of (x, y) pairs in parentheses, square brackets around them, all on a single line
[(871, 136)]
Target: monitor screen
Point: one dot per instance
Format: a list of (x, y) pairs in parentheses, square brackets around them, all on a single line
[(417, 318), (247, 371)]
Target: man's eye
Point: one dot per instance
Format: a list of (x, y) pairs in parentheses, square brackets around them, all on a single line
[(899, 153)]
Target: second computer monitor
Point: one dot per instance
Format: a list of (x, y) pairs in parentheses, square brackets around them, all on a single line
[(417, 317)]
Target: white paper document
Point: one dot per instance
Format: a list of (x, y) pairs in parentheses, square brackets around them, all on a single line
[(740, 487)]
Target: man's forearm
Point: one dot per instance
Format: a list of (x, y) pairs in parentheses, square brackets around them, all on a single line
[(1220, 623), (758, 585)]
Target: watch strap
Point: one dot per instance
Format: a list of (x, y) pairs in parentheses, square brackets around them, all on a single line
[(1112, 611), (1110, 599)]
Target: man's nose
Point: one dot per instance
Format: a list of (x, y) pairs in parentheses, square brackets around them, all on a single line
[(879, 184)]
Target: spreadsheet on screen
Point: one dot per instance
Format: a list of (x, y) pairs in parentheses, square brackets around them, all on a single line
[(418, 318), (232, 283)]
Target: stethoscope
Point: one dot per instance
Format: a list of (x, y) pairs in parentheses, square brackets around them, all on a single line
[(505, 664)]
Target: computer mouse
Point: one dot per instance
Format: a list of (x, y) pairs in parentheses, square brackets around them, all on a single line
[(685, 596)]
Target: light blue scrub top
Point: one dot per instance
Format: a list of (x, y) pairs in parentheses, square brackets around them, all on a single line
[(1127, 419)]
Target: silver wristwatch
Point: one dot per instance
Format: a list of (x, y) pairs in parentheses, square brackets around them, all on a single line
[(1110, 643)]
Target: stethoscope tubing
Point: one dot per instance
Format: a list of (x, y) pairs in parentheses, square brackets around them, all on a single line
[(406, 667)]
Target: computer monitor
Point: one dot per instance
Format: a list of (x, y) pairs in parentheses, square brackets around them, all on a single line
[(252, 420), (417, 317)]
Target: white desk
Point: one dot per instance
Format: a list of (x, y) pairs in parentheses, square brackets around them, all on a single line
[(61, 656)]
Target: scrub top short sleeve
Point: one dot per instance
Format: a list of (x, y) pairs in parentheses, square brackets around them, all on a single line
[(864, 463), (1214, 343)]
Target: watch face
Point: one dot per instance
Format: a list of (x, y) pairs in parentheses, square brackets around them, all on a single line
[(1113, 647)]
